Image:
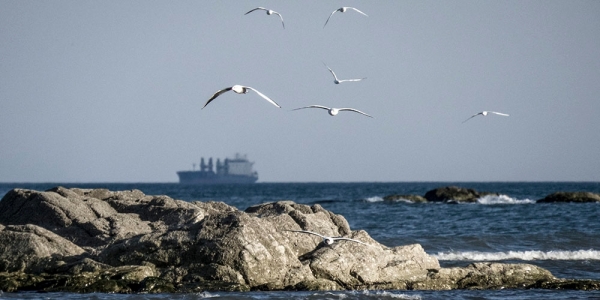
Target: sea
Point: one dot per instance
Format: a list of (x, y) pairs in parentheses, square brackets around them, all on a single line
[(510, 228)]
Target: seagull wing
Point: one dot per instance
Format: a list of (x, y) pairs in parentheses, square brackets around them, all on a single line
[(473, 116), (309, 232), (263, 95), (332, 73), (500, 114), (262, 8), (217, 94), (357, 79), (313, 106), (347, 239), (355, 110), (281, 17), (358, 11), (330, 17)]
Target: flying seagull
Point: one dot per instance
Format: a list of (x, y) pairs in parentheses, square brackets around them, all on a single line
[(337, 81), (327, 239), (334, 111), (343, 10), (239, 89), (485, 113), (269, 12)]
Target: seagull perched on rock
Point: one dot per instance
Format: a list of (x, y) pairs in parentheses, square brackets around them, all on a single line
[(239, 89), (337, 81), (485, 113), (269, 12), (334, 111), (327, 239), (342, 10)]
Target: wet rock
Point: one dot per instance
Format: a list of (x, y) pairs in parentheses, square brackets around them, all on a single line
[(126, 242), (579, 197), (454, 194), (407, 198)]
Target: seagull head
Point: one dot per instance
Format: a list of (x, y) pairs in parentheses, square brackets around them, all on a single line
[(333, 111), (239, 89), (328, 240)]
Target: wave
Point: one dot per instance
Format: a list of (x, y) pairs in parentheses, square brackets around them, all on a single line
[(374, 199), (503, 199), (520, 255)]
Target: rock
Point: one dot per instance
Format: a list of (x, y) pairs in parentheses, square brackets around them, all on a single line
[(454, 194), (30, 247), (82, 240), (407, 198), (579, 197), (485, 275)]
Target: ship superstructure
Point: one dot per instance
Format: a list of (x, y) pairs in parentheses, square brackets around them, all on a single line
[(231, 170)]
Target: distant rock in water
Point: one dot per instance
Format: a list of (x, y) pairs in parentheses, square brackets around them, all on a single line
[(410, 198), (580, 197), (454, 194), (83, 240)]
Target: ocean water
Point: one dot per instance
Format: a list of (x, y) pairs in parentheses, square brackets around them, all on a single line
[(561, 237)]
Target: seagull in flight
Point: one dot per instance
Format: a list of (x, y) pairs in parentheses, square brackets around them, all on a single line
[(343, 10), (327, 239), (334, 111), (239, 89), (485, 113), (337, 81), (269, 12)]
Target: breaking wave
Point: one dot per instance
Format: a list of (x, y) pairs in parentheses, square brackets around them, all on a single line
[(374, 199), (502, 199), (519, 255)]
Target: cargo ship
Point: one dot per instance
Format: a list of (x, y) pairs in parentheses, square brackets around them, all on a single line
[(237, 170)]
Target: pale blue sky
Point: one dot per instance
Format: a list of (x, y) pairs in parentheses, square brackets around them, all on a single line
[(112, 91)]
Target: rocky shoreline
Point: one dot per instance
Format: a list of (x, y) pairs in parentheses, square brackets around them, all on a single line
[(454, 194), (96, 240)]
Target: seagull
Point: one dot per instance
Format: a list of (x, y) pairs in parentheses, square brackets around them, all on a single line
[(343, 9), (485, 113), (269, 12), (337, 81), (334, 111), (239, 89), (327, 239)]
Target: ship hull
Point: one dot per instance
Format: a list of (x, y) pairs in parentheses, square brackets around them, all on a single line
[(199, 177)]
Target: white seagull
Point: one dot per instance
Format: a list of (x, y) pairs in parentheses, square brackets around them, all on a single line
[(334, 111), (485, 113), (239, 89), (327, 239), (269, 12), (342, 10), (337, 81)]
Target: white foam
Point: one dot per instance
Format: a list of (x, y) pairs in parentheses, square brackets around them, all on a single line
[(520, 255), (374, 199), (502, 199), (388, 294), (206, 294)]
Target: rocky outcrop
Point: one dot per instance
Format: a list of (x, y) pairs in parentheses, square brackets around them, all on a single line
[(454, 194), (580, 197), (102, 241), (406, 198)]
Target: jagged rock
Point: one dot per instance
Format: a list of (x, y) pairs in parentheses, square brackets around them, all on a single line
[(485, 275), (30, 247), (454, 194), (579, 197), (409, 198), (101, 241)]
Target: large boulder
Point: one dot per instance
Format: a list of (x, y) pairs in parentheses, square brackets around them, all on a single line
[(102, 241), (454, 194), (580, 197)]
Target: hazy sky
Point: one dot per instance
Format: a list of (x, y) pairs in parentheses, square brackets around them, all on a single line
[(112, 91)]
